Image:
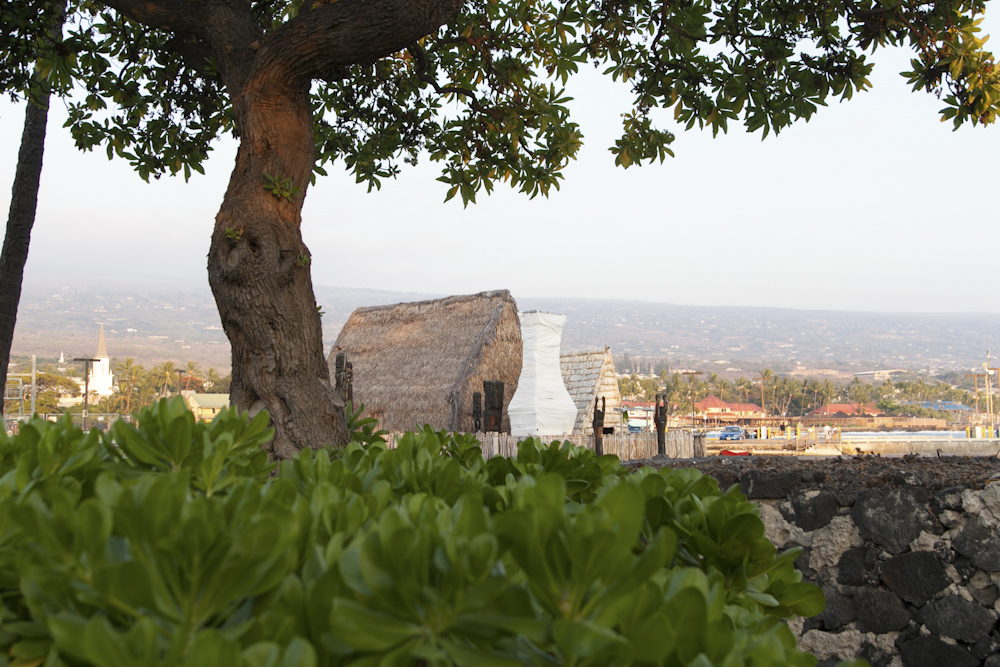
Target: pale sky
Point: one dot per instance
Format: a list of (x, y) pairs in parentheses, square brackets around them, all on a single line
[(874, 205)]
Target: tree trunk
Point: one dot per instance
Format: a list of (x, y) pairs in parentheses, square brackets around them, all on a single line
[(258, 266), (259, 270), (23, 203)]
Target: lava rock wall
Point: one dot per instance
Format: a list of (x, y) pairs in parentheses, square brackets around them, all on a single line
[(910, 571)]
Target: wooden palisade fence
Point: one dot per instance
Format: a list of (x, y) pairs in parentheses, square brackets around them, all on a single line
[(627, 447)]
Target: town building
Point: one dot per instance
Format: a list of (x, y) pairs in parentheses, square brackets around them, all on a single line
[(100, 381), (205, 406), (845, 410), (714, 409)]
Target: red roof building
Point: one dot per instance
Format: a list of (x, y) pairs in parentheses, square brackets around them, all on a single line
[(714, 407), (849, 409), (639, 405)]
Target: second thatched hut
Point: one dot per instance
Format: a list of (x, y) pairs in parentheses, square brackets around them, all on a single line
[(419, 363), (590, 375)]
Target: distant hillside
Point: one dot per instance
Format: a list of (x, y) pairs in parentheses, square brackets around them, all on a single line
[(154, 323), (724, 337), (151, 324)]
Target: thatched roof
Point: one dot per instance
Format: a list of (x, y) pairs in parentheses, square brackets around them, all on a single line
[(419, 363), (590, 374)]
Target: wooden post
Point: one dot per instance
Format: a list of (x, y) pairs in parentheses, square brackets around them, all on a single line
[(660, 422), (598, 425), (343, 376), (477, 412), (493, 390)]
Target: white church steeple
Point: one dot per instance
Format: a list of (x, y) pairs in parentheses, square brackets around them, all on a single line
[(100, 379)]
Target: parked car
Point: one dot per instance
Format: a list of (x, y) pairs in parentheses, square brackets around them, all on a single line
[(732, 433)]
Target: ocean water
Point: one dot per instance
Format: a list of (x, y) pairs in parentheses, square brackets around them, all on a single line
[(929, 435)]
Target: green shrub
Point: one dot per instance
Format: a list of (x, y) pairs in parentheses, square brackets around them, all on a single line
[(174, 543)]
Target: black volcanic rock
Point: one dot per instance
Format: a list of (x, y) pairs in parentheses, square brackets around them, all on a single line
[(915, 576), (965, 567), (757, 484), (932, 652), (981, 544), (802, 563), (839, 609), (891, 517), (810, 509), (851, 568), (986, 595), (949, 499), (875, 656), (957, 618), (879, 611), (986, 647)]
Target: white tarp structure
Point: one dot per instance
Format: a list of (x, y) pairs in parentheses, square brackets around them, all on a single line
[(541, 405)]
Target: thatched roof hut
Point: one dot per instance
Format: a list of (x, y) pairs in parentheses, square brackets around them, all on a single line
[(590, 375), (419, 363)]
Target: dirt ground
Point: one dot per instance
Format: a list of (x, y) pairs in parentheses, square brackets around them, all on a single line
[(865, 471)]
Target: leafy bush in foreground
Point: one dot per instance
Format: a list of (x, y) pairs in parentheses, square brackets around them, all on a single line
[(174, 543)]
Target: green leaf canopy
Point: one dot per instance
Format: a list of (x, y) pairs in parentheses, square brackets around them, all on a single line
[(483, 95)]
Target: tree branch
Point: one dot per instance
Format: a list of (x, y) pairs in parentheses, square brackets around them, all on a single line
[(179, 16), (194, 53), (347, 32), (424, 75), (224, 30)]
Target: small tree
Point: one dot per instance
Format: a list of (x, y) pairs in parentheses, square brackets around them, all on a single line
[(27, 177)]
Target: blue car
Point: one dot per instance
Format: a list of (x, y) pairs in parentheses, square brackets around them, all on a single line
[(732, 433)]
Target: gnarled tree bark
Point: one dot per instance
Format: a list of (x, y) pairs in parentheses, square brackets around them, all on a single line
[(259, 270)]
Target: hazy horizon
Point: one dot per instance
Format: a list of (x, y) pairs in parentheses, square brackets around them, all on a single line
[(157, 321), (185, 283)]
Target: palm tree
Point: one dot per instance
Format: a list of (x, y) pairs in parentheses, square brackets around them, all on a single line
[(745, 386), (765, 375), (193, 371), (887, 390), (859, 392), (790, 390), (827, 391), (724, 388), (675, 390), (147, 392), (212, 378), (128, 374), (108, 404), (164, 375)]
